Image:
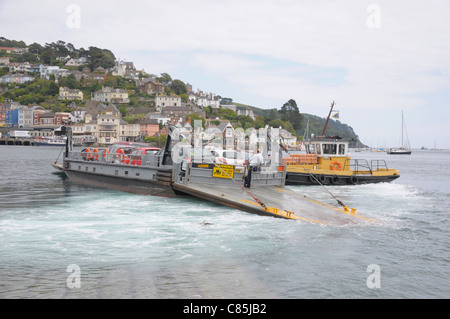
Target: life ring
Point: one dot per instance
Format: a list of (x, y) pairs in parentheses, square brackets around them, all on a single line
[(95, 155), (88, 154), (336, 163), (120, 154)]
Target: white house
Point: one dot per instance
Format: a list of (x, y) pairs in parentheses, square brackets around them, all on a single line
[(204, 99), (47, 70), (163, 100), (111, 95), (77, 62)]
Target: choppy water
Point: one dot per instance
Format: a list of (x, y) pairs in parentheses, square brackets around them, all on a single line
[(133, 246)]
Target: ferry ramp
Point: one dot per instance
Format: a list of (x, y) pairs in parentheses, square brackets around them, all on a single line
[(264, 197)]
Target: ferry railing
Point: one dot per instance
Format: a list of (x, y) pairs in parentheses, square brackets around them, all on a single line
[(149, 160), (379, 165), (360, 166), (203, 173)]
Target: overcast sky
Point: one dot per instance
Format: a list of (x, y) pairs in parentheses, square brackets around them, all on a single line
[(373, 58)]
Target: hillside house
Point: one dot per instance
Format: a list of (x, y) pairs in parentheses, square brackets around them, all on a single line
[(147, 127), (16, 78), (70, 94), (202, 99), (111, 95), (163, 101), (151, 87)]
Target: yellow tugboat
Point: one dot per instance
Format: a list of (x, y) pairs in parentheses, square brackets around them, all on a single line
[(327, 161)]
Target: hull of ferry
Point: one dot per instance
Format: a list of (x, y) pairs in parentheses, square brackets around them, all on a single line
[(126, 178)]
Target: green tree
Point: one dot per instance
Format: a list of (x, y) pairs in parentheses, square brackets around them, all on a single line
[(208, 111), (49, 55), (178, 87), (194, 117), (289, 112), (53, 89), (226, 101), (259, 122), (164, 79), (272, 114), (101, 57), (184, 98), (123, 110), (36, 48), (69, 81)]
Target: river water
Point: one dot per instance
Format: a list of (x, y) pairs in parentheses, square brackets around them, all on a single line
[(62, 240)]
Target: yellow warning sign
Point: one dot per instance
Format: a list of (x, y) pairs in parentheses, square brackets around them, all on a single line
[(225, 171)]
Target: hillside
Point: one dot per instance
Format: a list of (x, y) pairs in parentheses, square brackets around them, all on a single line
[(315, 125), (102, 71)]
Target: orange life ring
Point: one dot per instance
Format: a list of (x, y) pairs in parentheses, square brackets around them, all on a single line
[(88, 154), (120, 154), (95, 156), (336, 163)]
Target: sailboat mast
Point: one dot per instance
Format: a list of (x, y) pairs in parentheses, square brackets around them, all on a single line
[(402, 128)]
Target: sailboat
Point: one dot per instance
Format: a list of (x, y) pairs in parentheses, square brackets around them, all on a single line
[(405, 148)]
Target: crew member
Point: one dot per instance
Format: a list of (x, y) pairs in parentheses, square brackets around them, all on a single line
[(256, 161)]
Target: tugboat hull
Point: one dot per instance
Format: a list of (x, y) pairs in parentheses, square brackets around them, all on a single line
[(307, 179)]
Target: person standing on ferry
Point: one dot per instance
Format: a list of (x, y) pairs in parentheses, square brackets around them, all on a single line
[(256, 161)]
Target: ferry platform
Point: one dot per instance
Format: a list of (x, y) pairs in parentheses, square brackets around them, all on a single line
[(265, 198)]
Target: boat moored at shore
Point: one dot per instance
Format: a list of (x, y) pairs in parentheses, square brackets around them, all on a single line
[(173, 171), (50, 141), (327, 161)]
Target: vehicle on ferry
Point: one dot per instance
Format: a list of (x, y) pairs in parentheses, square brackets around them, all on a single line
[(230, 157), (327, 161)]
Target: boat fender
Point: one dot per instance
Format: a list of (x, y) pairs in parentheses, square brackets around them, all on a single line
[(354, 179), (335, 179), (322, 178), (339, 166)]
